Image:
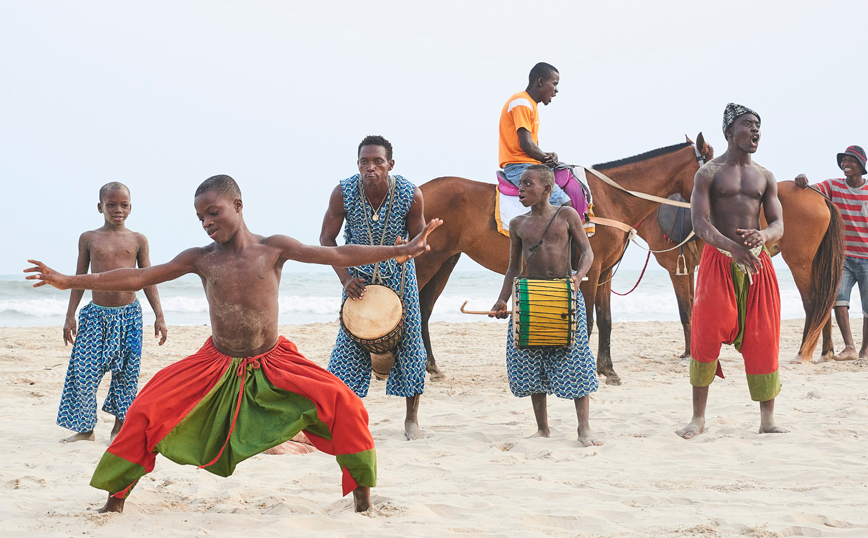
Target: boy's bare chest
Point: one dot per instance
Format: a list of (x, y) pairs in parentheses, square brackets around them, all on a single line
[(250, 273), (113, 253), (552, 233)]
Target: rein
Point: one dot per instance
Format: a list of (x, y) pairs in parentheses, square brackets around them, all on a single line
[(608, 181), (630, 230), (638, 281)]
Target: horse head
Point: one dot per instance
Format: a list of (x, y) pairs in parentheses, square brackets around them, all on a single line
[(703, 153)]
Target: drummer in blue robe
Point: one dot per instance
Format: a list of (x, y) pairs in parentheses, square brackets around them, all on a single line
[(542, 238), (379, 209)]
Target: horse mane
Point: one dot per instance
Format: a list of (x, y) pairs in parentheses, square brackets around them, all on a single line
[(642, 156)]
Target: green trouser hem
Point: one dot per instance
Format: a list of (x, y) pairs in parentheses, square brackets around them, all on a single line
[(741, 285), (702, 373), (118, 472), (362, 466), (764, 387), (268, 416)]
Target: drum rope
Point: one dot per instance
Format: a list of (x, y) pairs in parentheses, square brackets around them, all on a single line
[(533, 249)]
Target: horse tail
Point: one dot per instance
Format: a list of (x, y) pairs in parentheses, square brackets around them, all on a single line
[(826, 271)]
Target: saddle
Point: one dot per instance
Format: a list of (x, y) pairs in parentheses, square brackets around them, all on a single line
[(507, 205), (566, 179), (675, 222)]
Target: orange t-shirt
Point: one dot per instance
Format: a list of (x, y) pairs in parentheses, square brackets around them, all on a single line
[(520, 111)]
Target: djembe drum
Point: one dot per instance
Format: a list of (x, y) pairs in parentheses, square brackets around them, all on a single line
[(544, 312), (375, 322)]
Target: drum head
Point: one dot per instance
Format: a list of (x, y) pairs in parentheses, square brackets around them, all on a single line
[(374, 315)]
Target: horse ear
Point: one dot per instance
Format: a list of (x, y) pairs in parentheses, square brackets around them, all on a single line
[(689, 141), (704, 149)]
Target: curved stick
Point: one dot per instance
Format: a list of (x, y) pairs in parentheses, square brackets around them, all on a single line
[(480, 312)]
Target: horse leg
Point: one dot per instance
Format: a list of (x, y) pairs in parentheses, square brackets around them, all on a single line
[(427, 297), (603, 306), (828, 346), (683, 285), (802, 277), (589, 294)]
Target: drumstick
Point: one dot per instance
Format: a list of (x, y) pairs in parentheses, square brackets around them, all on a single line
[(480, 312)]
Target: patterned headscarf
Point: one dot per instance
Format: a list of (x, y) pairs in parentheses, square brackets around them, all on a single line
[(732, 111)]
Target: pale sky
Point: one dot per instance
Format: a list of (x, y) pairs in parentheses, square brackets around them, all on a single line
[(162, 95)]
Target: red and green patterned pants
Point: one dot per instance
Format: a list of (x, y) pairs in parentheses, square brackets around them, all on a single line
[(214, 411)]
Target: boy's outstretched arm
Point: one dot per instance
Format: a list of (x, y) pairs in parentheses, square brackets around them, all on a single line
[(69, 326), (331, 226), (499, 310), (144, 260), (353, 255), (118, 279)]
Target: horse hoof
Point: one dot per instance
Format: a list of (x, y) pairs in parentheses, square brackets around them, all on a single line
[(828, 357), (798, 359), (613, 379)]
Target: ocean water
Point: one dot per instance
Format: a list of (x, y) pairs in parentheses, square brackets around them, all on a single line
[(316, 297)]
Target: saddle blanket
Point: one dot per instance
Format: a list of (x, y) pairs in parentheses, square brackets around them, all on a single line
[(572, 180)]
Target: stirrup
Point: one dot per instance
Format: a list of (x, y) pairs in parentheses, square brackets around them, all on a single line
[(681, 266)]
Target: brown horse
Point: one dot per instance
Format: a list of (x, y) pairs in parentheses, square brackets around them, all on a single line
[(813, 247), (668, 258), (467, 209)]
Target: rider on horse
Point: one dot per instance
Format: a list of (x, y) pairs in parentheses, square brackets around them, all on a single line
[(519, 128)]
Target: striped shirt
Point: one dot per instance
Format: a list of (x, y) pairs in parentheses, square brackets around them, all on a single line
[(853, 204)]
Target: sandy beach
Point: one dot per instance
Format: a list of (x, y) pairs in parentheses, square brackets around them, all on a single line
[(476, 473)]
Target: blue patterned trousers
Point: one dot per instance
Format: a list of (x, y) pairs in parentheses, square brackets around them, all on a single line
[(565, 372), (352, 364), (108, 339)]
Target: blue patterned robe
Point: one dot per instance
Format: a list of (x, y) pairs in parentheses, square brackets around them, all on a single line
[(108, 339), (565, 372), (348, 361)]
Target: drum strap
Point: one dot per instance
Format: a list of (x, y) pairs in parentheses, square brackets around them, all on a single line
[(533, 249)]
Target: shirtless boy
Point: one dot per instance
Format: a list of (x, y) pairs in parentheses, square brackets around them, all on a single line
[(737, 300), (109, 333), (542, 238), (248, 389)]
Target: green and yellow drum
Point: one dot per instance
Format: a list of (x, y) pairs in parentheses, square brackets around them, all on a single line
[(544, 312)]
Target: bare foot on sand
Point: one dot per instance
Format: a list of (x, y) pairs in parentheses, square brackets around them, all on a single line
[(83, 436), (848, 354), (772, 429), (541, 433), (113, 504), (696, 427), (767, 418), (586, 438), (435, 374), (362, 498), (116, 429), (412, 431)]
